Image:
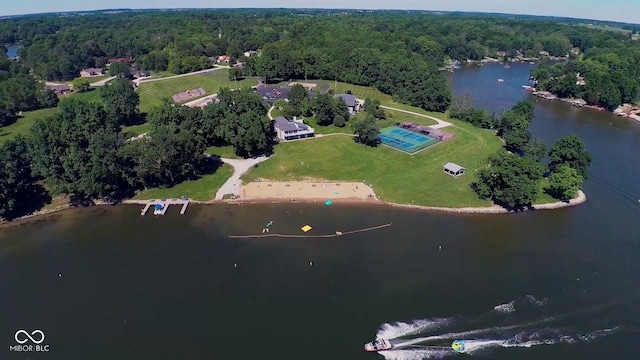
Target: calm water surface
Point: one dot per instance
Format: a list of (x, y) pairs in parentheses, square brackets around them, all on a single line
[(108, 284), (12, 50)]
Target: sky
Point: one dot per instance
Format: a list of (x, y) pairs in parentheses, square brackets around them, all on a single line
[(613, 10)]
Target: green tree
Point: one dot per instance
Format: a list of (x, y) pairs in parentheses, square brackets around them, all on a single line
[(371, 106), (17, 185), (366, 130), (297, 94), (536, 150), (569, 150), (516, 135), (509, 180), (524, 109), (324, 109), (236, 74), (339, 121), (119, 69), (48, 99), (121, 101), (565, 183), (171, 154), (81, 84), (340, 109), (76, 151)]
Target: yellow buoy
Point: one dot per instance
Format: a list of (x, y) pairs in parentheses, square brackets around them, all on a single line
[(306, 228)]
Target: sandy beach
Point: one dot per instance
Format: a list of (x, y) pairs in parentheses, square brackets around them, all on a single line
[(306, 190), (318, 192)]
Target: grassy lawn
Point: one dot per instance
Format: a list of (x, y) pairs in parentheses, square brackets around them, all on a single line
[(545, 198), (95, 78), (329, 129), (151, 93), (222, 151), (202, 189), (93, 94), (22, 126), (397, 116), (137, 129), (396, 177), (362, 92), (276, 112), (161, 74)]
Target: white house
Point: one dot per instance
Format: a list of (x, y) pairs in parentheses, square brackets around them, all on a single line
[(291, 130)]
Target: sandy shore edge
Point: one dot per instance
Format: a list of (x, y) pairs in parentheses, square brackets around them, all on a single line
[(581, 198)]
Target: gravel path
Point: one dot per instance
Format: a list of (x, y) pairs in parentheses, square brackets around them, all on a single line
[(240, 167), (441, 123)]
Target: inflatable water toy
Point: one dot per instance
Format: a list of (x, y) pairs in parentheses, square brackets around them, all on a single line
[(458, 346)]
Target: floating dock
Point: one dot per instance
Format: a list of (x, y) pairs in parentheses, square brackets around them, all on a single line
[(165, 205)]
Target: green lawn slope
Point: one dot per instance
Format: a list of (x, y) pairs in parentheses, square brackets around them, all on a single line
[(396, 177)]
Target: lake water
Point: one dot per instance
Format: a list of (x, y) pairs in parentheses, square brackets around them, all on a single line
[(12, 50), (106, 283)]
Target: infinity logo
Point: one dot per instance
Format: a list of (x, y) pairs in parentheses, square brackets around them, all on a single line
[(29, 336)]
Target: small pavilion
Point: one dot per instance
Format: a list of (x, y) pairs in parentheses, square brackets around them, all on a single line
[(452, 169)]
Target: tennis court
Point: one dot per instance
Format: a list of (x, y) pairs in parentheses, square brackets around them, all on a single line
[(405, 140)]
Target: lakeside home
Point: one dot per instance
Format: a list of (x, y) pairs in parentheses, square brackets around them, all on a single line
[(292, 130), (60, 89), (91, 72)]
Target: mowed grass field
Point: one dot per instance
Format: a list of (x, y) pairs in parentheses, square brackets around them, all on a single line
[(396, 177), (203, 189), (22, 126), (152, 93)]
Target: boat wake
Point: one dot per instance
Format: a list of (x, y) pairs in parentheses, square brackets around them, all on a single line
[(432, 338)]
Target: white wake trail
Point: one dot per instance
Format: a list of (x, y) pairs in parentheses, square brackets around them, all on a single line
[(400, 329), (463, 334)]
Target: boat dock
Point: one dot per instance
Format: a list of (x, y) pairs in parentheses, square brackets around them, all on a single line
[(162, 205)]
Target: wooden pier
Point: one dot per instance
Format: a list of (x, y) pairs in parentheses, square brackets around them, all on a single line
[(165, 205)]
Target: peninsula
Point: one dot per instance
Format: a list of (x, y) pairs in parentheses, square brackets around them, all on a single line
[(134, 125)]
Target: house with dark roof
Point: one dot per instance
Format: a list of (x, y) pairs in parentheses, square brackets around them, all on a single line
[(138, 74), (60, 89), (291, 130), (127, 61), (352, 102), (90, 72)]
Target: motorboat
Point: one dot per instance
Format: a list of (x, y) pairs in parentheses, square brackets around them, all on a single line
[(378, 345)]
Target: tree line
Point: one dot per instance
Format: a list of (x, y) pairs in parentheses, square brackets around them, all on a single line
[(82, 153), (609, 76), (397, 52)]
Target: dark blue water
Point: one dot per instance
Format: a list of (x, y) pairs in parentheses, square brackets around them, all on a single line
[(554, 285)]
